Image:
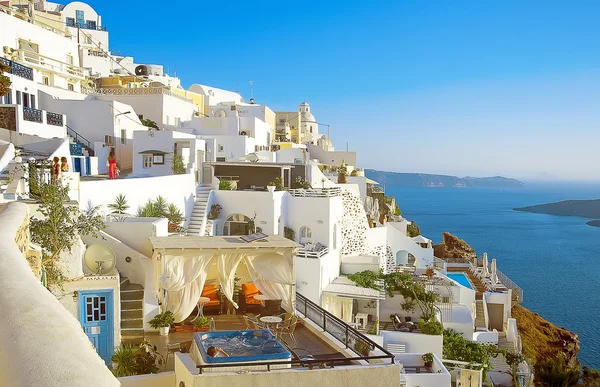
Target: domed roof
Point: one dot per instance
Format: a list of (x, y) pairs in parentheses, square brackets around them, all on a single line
[(307, 117), (304, 103)]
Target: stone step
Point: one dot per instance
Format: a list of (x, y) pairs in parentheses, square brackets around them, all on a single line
[(133, 314), (131, 304), (132, 295), (129, 287), (132, 332), (132, 324)]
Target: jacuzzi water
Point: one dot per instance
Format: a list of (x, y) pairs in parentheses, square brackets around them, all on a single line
[(242, 346)]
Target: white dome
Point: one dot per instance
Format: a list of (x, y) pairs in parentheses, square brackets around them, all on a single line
[(307, 117)]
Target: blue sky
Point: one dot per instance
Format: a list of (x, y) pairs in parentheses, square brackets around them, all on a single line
[(468, 88)]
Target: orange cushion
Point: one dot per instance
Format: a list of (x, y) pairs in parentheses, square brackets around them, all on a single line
[(249, 288), (210, 291), (212, 303)]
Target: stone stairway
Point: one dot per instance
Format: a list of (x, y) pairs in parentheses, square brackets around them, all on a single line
[(200, 212), (132, 309), (479, 315)]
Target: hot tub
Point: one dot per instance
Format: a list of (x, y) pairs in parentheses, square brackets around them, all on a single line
[(252, 346)]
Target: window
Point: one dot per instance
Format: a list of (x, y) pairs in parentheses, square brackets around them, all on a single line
[(221, 148), (158, 159), (334, 241), (26, 99), (32, 97), (45, 80), (236, 224), (19, 102), (221, 159), (147, 161), (305, 234), (8, 97), (79, 18), (71, 86), (91, 24), (70, 22), (108, 140), (123, 138)]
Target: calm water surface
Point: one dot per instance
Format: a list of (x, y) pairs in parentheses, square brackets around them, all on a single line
[(556, 260)]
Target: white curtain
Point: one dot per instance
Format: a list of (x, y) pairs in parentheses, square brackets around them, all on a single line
[(332, 304), (227, 264), (272, 274), (347, 309), (184, 276)]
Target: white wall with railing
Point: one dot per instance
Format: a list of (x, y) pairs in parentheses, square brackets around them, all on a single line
[(54, 353), (439, 376), (415, 342)]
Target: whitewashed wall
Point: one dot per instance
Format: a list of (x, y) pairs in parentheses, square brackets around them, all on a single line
[(415, 342), (177, 189)]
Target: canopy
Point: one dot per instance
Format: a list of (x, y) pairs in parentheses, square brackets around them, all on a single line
[(182, 272), (342, 286), (421, 239)]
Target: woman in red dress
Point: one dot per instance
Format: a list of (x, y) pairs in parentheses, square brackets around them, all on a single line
[(112, 165)]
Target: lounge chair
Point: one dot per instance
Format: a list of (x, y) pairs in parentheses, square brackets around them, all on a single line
[(401, 326)]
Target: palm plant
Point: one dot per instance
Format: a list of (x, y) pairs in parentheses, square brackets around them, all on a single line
[(119, 206), (124, 361), (178, 164), (160, 205), (175, 217)]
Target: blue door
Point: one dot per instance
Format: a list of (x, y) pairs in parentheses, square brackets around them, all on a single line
[(96, 317)]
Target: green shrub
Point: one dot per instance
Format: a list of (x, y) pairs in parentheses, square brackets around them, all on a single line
[(178, 165), (225, 185), (201, 322), (431, 327), (289, 233), (162, 320), (139, 359)]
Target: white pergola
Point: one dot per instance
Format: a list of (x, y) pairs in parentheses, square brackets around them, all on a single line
[(181, 267)]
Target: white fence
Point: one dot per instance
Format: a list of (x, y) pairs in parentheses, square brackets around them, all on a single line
[(316, 192)]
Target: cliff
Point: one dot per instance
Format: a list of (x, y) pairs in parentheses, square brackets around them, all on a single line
[(435, 181), (453, 247), (543, 340)]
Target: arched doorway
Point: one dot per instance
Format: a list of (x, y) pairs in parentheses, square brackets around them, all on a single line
[(236, 224), (402, 258)]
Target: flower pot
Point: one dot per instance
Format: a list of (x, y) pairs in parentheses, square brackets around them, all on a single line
[(201, 329), (164, 331), (429, 364), (271, 188), (342, 179)]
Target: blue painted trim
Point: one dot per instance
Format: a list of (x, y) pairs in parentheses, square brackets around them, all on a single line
[(109, 313)]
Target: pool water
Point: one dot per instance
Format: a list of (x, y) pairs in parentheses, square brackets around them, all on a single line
[(242, 346), (461, 278)]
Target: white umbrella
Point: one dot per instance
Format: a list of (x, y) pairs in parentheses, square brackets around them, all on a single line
[(475, 262), (494, 273), (486, 270)]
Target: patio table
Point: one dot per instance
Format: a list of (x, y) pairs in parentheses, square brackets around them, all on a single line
[(271, 323), (201, 302)]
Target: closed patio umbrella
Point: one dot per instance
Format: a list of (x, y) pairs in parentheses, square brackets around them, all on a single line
[(494, 274), (486, 270)]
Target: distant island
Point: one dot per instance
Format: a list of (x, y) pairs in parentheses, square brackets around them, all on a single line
[(581, 208), (437, 181)]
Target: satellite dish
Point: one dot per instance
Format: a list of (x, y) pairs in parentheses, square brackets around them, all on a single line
[(99, 258)]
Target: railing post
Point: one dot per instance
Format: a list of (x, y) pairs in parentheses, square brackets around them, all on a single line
[(324, 322), (346, 336)]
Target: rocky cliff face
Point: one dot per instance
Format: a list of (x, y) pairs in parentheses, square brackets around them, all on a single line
[(542, 339), (453, 247)]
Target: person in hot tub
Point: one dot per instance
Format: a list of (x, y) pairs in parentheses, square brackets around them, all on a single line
[(216, 352)]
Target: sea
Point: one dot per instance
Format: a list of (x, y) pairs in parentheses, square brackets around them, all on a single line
[(554, 259)]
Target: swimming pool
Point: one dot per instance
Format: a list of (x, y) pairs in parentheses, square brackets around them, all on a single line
[(461, 278), (242, 346)]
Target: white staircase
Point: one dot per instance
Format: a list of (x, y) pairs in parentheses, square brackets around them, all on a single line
[(200, 211)]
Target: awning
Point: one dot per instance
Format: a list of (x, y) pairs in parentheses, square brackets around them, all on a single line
[(369, 181), (153, 152), (342, 286), (421, 239)]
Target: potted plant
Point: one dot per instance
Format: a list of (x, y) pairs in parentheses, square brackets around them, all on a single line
[(201, 324), (342, 174), (215, 210), (162, 322), (429, 273), (428, 359), (271, 187), (354, 173), (277, 183)]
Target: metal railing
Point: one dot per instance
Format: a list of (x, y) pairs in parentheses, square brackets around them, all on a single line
[(32, 115), (18, 69), (316, 192), (55, 119), (517, 291), (134, 91), (343, 332), (312, 254), (439, 264), (79, 138)]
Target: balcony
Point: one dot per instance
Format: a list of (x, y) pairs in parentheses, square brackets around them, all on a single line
[(18, 69), (316, 192), (42, 62), (86, 25), (34, 122), (134, 91), (36, 21)]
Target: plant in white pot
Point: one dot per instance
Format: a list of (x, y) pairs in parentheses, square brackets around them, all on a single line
[(162, 322)]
